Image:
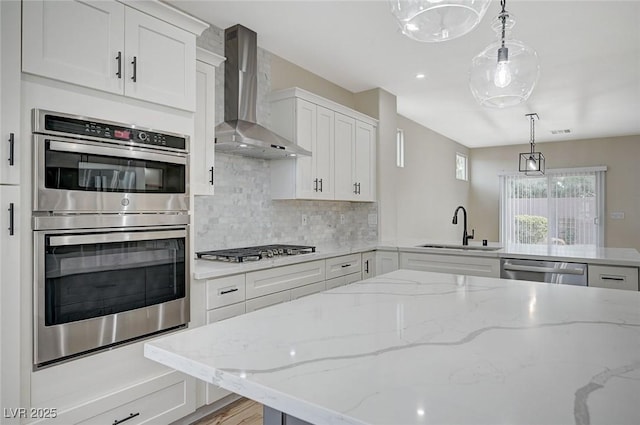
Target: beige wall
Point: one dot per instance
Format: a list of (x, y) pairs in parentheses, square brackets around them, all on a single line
[(426, 188), (619, 154), (285, 74)]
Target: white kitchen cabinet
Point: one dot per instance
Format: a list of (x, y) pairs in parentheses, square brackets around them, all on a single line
[(342, 280), (162, 399), (303, 291), (109, 46), (386, 261), (342, 142), (225, 291), (614, 277), (368, 264), (267, 300), (10, 135), (202, 149), (311, 127), (355, 159), (455, 264), (277, 279), (343, 265)]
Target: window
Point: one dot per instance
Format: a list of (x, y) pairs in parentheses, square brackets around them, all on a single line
[(400, 148), (461, 166), (562, 207)]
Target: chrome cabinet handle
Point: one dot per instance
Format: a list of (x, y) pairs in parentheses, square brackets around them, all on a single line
[(616, 278), (211, 176), (355, 188), (320, 185), (131, 416), (366, 266), (358, 188), (345, 265), (134, 62), (119, 59), (315, 185), (11, 219), (11, 148)]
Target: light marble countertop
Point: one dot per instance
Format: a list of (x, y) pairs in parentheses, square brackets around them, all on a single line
[(206, 269), (412, 347)]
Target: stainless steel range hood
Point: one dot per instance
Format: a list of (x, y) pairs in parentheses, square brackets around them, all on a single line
[(239, 134)]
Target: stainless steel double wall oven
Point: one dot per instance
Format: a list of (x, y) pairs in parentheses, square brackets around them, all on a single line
[(111, 234)]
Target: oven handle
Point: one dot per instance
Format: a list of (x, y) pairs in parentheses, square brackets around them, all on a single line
[(114, 237), (75, 147)]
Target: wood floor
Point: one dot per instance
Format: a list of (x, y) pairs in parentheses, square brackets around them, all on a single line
[(241, 412)]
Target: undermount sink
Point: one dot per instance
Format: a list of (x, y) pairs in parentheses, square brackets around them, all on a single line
[(463, 247)]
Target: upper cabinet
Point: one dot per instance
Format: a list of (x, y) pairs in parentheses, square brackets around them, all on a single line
[(10, 137), (343, 146), (203, 142), (112, 47)]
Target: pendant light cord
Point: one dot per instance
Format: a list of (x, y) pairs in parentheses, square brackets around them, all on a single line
[(503, 17), (533, 132)]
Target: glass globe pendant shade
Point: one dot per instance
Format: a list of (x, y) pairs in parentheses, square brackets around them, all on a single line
[(438, 20), (504, 73)]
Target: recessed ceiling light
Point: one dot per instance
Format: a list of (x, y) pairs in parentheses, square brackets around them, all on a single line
[(420, 76)]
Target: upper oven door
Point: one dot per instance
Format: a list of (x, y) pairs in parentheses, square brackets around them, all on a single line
[(74, 175)]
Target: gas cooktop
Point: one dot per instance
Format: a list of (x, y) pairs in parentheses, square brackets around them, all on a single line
[(255, 253)]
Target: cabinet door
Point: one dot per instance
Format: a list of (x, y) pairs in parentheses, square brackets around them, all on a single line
[(323, 153), (160, 61), (75, 41), (202, 145), (364, 163), (306, 137), (10, 139), (344, 158), (614, 277), (387, 261), (10, 285), (368, 264), (267, 301), (454, 264)]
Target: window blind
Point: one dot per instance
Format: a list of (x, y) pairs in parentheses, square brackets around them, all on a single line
[(563, 207)]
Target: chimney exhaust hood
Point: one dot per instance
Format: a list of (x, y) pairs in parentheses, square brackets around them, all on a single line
[(240, 134)]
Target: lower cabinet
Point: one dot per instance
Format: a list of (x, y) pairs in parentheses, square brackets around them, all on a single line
[(455, 264), (368, 264), (386, 261), (614, 277), (342, 280), (162, 399)]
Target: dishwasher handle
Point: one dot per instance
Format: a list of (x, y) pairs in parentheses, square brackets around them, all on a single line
[(535, 269)]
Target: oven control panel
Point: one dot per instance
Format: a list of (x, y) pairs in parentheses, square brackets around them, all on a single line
[(112, 131)]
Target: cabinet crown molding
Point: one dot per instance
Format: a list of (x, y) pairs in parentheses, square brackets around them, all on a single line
[(168, 14), (208, 57), (321, 101)]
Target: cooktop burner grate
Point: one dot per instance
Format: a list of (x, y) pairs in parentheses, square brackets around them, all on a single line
[(255, 253)]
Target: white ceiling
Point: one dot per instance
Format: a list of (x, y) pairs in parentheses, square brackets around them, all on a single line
[(589, 54)]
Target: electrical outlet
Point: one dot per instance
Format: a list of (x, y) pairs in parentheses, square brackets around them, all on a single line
[(342, 219), (373, 219), (617, 215), (305, 220)]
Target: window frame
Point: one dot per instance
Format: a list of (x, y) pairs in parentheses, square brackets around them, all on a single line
[(466, 166)]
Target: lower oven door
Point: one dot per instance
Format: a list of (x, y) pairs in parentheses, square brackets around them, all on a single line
[(95, 288)]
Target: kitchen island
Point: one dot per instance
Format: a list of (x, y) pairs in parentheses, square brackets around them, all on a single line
[(412, 347)]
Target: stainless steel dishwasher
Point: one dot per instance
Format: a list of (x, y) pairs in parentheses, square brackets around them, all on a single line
[(544, 271)]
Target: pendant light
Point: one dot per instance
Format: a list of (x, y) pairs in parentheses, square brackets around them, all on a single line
[(506, 71), (438, 20), (532, 163)]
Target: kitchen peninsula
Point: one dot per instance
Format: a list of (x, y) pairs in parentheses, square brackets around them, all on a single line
[(412, 347)]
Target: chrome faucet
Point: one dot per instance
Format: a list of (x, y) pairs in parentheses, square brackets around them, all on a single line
[(465, 235)]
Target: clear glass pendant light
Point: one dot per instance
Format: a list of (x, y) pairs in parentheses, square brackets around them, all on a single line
[(506, 71), (438, 20)]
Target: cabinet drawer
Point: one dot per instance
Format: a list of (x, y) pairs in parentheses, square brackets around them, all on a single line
[(615, 277), (344, 265), (278, 279), (162, 399), (343, 280), (305, 290), (225, 291), (226, 312), (267, 300), (454, 264)]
